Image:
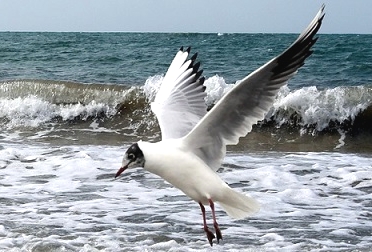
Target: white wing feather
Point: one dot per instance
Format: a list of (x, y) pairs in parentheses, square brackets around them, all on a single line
[(179, 104), (246, 104)]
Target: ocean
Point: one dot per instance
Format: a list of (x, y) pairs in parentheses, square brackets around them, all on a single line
[(71, 104)]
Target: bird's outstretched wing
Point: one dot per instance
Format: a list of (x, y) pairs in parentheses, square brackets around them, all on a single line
[(246, 104), (179, 104)]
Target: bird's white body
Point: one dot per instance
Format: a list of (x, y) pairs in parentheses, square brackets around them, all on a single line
[(187, 172)]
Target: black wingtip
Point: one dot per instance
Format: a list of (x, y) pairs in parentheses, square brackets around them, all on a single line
[(188, 49), (201, 80), (181, 49), (198, 74), (323, 6), (196, 67), (193, 58), (294, 57)]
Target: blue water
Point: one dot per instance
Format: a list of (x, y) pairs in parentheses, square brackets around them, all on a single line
[(130, 58), (71, 103)]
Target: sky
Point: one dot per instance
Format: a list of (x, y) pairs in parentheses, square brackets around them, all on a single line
[(224, 16)]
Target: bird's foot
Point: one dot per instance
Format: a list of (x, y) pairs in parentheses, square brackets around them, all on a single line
[(210, 235), (218, 232)]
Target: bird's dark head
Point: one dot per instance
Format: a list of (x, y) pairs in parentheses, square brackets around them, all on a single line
[(133, 158)]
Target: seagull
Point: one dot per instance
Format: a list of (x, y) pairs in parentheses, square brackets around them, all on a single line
[(194, 141)]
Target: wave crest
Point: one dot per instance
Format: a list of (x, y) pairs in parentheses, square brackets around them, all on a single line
[(320, 109), (33, 103)]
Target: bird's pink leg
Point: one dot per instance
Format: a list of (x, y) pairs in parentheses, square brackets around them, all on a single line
[(210, 235), (215, 224)]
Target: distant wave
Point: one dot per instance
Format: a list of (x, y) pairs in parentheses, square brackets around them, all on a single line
[(31, 103), (63, 92), (34, 103)]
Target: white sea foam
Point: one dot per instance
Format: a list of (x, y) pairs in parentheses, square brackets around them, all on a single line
[(65, 198), (216, 87), (32, 111), (320, 107), (152, 85)]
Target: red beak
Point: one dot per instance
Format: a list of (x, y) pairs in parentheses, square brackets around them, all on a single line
[(120, 171)]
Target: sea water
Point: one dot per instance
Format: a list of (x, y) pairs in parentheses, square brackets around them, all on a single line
[(71, 103)]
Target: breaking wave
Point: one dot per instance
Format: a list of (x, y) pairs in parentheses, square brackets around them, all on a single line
[(33, 103)]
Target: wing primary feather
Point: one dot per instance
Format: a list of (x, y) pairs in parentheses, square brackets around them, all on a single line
[(185, 76), (196, 67), (202, 80), (247, 102), (198, 74), (180, 102), (193, 58)]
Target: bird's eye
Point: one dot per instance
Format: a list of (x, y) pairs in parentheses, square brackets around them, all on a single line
[(131, 156)]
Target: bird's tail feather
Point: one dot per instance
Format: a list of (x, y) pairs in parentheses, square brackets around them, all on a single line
[(237, 205)]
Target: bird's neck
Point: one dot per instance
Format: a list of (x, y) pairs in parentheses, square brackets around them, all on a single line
[(160, 157)]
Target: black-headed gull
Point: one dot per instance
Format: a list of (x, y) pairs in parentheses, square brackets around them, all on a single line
[(194, 141)]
